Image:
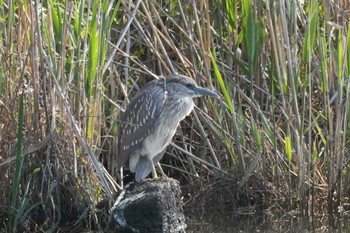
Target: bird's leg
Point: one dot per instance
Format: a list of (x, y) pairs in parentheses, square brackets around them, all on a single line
[(161, 170), (154, 172), (121, 177)]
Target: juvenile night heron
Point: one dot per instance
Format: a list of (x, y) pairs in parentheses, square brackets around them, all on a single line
[(150, 121)]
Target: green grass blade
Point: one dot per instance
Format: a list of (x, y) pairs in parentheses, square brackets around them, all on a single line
[(231, 15), (340, 56), (288, 147), (319, 130), (93, 53), (249, 35), (25, 208), (222, 83), (311, 31), (114, 14), (323, 62), (56, 21)]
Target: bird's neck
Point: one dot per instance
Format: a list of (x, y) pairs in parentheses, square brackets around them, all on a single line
[(178, 109)]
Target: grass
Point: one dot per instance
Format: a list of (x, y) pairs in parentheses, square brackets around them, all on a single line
[(68, 68)]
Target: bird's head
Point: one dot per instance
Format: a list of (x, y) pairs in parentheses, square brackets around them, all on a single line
[(181, 85)]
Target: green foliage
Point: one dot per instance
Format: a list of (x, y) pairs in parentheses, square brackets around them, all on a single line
[(311, 31), (231, 14), (25, 207), (222, 84), (281, 67), (288, 146), (323, 53), (253, 34), (57, 22), (92, 53)]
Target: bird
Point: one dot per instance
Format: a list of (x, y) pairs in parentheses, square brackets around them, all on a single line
[(150, 121)]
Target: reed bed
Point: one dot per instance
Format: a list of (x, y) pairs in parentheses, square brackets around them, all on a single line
[(69, 68)]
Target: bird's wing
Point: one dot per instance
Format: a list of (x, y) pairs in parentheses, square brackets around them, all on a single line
[(139, 119)]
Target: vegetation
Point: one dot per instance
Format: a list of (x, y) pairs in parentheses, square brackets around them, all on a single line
[(68, 68)]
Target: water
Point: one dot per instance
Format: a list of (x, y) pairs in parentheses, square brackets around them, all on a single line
[(267, 224)]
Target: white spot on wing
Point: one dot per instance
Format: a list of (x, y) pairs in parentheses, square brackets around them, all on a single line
[(153, 111)]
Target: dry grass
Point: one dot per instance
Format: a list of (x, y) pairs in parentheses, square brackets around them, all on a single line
[(68, 68)]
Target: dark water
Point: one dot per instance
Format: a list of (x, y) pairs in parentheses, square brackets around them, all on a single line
[(268, 224)]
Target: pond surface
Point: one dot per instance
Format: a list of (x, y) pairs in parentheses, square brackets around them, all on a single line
[(268, 224)]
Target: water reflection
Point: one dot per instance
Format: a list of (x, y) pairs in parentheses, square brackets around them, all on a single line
[(265, 223)]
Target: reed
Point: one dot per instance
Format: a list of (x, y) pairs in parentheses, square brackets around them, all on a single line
[(68, 68)]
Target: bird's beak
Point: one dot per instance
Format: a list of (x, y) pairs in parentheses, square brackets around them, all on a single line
[(204, 91)]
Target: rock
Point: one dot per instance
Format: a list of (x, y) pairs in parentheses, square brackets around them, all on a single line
[(153, 205)]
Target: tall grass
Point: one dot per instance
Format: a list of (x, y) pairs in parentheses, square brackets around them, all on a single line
[(68, 68)]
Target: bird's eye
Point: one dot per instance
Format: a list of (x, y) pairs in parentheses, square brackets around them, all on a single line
[(189, 85)]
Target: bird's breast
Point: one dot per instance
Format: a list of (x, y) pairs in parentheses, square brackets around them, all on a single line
[(177, 110), (166, 126)]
